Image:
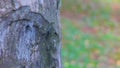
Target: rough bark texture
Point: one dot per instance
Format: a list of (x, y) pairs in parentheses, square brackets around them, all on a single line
[(30, 35)]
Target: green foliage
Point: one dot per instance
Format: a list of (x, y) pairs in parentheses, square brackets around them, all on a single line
[(79, 46), (84, 49)]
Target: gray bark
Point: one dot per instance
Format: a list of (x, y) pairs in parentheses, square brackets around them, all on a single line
[(30, 35)]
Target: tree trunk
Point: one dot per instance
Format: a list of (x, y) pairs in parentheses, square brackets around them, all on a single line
[(30, 35)]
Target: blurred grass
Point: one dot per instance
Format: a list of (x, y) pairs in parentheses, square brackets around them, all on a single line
[(78, 46), (94, 46)]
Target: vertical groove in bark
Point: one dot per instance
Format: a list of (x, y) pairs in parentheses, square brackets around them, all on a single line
[(30, 37)]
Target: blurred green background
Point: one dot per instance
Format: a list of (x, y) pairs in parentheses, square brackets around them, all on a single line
[(91, 33)]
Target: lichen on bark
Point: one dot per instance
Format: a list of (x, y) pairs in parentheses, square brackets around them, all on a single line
[(27, 40), (30, 37)]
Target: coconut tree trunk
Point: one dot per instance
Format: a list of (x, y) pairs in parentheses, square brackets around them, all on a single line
[(30, 35)]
